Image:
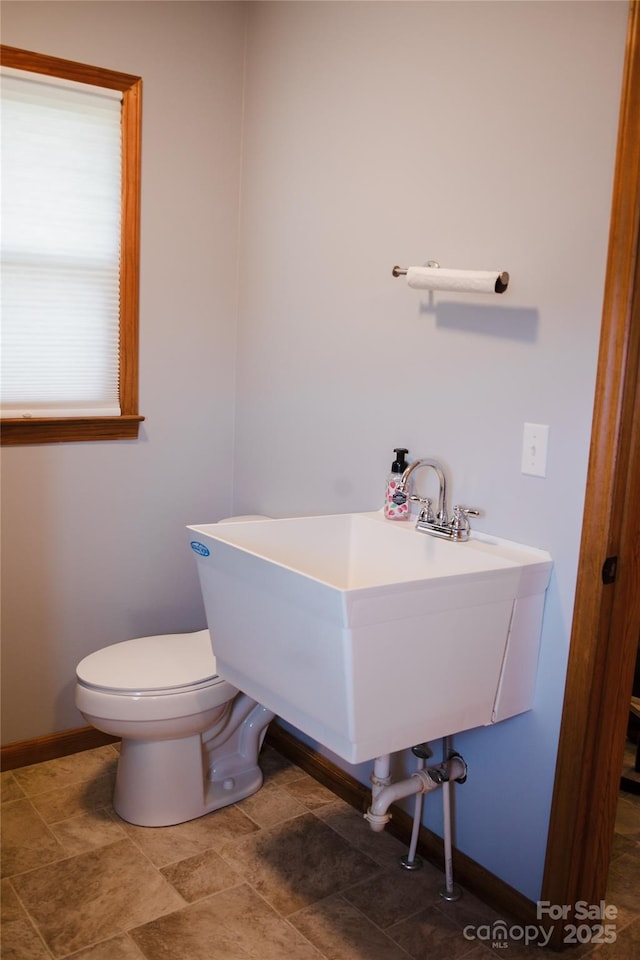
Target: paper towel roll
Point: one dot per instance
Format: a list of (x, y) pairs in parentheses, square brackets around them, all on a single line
[(459, 281)]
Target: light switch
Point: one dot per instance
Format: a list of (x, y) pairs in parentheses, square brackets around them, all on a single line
[(535, 440)]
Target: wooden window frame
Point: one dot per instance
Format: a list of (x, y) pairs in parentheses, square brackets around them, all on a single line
[(126, 425)]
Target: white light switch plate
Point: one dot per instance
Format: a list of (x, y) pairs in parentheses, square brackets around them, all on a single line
[(535, 440)]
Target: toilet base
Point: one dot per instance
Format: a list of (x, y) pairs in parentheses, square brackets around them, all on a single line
[(160, 784), (164, 782)]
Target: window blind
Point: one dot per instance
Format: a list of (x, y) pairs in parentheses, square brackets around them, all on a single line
[(61, 212)]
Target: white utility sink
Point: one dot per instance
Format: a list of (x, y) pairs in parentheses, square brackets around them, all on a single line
[(368, 635)]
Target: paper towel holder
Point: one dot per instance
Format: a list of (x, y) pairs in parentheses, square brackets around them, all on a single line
[(402, 271), (501, 283)]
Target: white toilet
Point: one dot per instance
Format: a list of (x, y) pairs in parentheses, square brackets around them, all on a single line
[(190, 740)]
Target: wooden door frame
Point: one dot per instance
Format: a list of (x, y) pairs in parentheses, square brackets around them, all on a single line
[(606, 619)]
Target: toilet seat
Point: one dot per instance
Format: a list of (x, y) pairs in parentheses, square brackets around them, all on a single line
[(168, 664), (152, 679)]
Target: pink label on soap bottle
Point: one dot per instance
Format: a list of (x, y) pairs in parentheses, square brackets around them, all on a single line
[(394, 510)]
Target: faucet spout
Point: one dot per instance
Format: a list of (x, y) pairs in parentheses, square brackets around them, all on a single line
[(441, 516)]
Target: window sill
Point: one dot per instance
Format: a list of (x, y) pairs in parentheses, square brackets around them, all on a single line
[(68, 430)]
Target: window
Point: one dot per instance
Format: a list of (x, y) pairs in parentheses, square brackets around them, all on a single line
[(70, 317)]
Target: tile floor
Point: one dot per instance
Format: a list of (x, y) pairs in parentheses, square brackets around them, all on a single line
[(292, 873)]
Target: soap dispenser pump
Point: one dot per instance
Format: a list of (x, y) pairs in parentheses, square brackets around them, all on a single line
[(396, 503)]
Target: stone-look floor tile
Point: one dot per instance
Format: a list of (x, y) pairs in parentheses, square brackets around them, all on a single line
[(384, 848), (27, 842), (520, 940), (84, 905), (271, 805), (625, 947), (40, 777), (200, 876), (623, 844), (276, 768), (117, 948), (93, 896), (628, 818), (341, 932), (310, 793), (79, 797), (10, 789), (233, 925), (10, 906), (20, 941), (511, 949), (430, 933), (87, 832), (298, 862), (164, 845), (485, 953), (623, 886), (395, 894), (468, 910)]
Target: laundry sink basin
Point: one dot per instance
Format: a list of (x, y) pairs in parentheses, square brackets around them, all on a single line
[(368, 635)]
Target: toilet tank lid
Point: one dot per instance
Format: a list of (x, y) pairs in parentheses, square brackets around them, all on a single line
[(163, 662)]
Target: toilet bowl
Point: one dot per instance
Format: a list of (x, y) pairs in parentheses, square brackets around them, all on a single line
[(190, 740)]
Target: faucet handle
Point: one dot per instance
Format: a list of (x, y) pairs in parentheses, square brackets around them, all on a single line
[(426, 513), (460, 522), (461, 510)]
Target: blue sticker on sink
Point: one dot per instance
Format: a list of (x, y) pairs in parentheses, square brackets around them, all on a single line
[(200, 548)]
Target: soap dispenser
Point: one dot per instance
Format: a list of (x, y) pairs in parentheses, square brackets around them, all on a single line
[(396, 503)]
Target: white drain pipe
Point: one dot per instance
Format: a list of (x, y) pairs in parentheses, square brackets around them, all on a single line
[(422, 781), (381, 776)]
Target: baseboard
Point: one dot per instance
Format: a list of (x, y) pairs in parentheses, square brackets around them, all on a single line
[(51, 747), (473, 877)]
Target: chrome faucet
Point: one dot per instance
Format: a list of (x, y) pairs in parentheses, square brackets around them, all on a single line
[(441, 515), (458, 527)]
